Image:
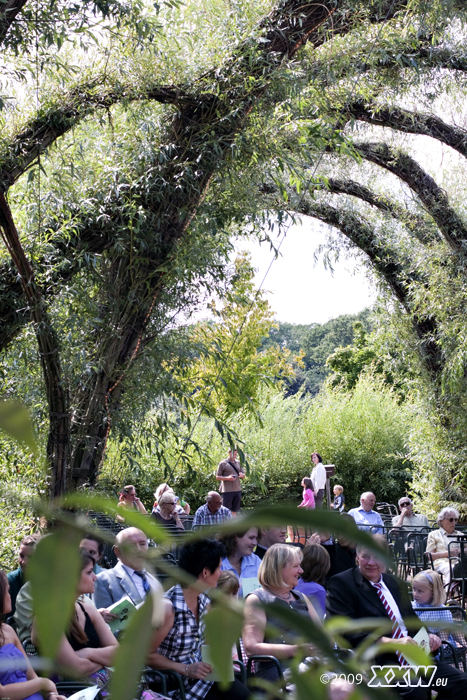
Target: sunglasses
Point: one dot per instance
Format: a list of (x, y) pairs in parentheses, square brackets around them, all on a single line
[(403, 505), (452, 520)]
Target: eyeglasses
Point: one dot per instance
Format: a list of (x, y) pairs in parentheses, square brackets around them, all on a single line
[(403, 505), (452, 520)]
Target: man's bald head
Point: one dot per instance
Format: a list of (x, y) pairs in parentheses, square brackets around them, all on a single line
[(214, 501), (131, 547)]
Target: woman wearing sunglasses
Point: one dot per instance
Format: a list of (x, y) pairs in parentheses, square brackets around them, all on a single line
[(438, 541), (167, 514)]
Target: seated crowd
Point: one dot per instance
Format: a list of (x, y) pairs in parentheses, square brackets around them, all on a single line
[(326, 576)]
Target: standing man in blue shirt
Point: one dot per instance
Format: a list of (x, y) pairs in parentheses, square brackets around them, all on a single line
[(365, 517)]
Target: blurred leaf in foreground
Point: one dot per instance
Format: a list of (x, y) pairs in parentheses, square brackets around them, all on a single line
[(54, 572), (16, 422)]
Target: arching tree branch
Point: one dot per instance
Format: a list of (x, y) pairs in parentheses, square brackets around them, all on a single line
[(418, 226), (435, 200), (411, 123), (388, 265)]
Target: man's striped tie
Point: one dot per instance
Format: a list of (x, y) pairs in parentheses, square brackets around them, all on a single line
[(396, 630), (146, 586)]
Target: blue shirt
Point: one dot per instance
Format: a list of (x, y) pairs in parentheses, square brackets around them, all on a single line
[(366, 520), (315, 592), (250, 566)]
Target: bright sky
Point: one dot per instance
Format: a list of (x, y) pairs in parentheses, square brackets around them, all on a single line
[(302, 291)]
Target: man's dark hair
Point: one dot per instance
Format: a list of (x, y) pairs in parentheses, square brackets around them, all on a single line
[(196, 556), (94, 538), (230, 541)]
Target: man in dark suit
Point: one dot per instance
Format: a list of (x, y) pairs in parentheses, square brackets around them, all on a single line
[(354, 594), (128, 577)]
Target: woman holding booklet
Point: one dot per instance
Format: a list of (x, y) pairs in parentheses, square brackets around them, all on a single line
[(89, 645), (176, 645)]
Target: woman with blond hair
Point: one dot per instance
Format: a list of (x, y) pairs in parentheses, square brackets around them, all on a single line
[(278, 576)]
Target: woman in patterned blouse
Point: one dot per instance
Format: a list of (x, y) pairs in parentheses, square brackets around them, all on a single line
[(177, 643)]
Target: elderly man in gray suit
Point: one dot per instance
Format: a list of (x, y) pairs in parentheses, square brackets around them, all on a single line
[(128, 577)]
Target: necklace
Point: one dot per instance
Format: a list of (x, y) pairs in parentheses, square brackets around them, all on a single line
[(282, 597)]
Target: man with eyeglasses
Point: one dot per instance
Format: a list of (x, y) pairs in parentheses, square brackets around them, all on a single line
[(407, 520), (212, 513)]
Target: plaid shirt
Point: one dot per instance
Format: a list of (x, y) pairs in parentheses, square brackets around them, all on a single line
[(426, 615), (184, 640), (204, 517)]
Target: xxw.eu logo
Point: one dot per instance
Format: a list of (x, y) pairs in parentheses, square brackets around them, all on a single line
[(413, 676)]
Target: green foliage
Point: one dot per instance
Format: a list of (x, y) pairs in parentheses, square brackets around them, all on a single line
[(130, 658), (317, 342), (53, 571), (229, 373), (364, 433)]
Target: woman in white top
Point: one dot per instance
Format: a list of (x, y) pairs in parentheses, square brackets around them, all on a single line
[(318, 479), (438, 541)]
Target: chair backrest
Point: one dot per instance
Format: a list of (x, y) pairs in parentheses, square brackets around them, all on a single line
[(388, 509)]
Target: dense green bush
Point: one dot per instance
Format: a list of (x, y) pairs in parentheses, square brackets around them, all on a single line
[(20, 476), (364, 433)]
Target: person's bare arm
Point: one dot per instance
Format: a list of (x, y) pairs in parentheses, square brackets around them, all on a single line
[(253, 633), (401, 518), (198, 670), (139, 506)]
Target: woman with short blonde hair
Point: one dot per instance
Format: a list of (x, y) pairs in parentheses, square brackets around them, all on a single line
[(278, 575), (276, 557)]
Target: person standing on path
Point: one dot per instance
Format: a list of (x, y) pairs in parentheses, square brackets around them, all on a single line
[(318, 479), (230, 473)]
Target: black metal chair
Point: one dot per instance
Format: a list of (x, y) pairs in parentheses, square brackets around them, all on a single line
[(457, 551), (454, 654)]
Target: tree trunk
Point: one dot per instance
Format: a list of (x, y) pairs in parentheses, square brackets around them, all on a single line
[(59, 417)]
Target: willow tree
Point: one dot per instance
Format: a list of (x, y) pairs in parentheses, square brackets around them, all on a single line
[(122, 237), (128, 206), (382, 195)]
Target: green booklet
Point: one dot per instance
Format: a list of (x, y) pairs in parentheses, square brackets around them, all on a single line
[(124, 609)]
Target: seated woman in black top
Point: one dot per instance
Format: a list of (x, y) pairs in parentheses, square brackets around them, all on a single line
[(89, 644), (278, 575), (168, 515)]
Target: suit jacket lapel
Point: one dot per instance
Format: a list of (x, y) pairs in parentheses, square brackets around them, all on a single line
[(369, 593), (127, 584)]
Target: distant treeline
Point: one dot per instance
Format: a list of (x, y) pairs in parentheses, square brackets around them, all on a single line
[(317, 341)]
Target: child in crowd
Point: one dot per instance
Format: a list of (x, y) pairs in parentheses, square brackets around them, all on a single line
[(17, 679), (339, 498), (428, 592), (307, 495), (229, 584)]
